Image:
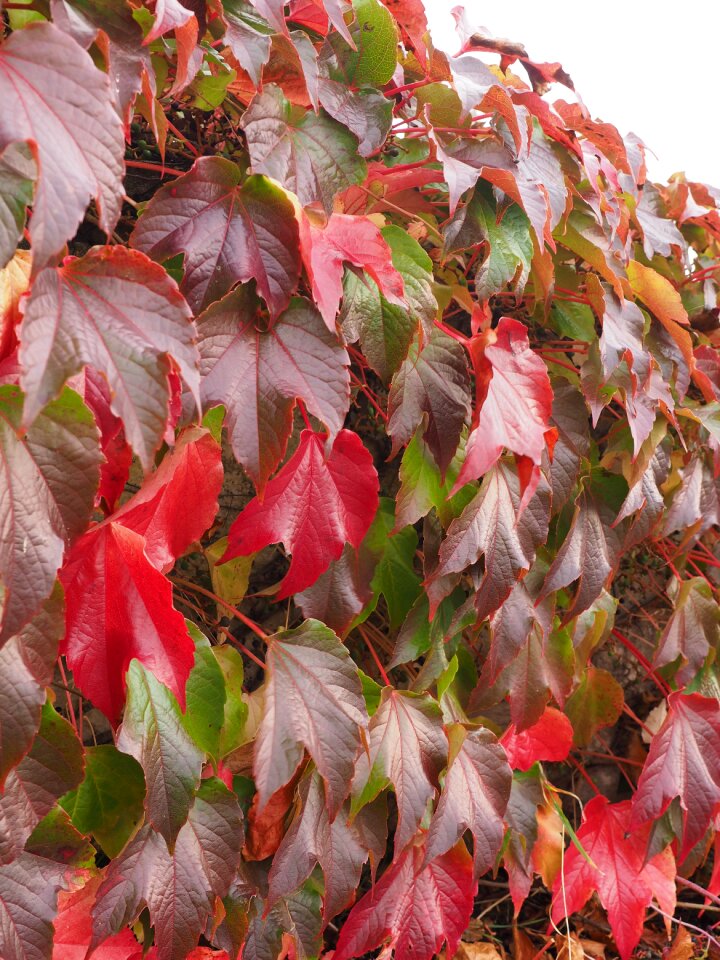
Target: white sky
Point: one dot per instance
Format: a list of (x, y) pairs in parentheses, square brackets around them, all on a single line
[(648, 66)]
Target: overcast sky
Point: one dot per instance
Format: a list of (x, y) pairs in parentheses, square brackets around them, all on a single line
[(648, 66)]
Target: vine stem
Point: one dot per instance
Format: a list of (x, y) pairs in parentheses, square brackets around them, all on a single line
[(375, 657), (643, 660), (155, 167), (250, 624), (216, 626)]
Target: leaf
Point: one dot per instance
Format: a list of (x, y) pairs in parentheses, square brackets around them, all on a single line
[(365, 112), (430, 388), (55, 97), (625, 883), (266, 827), (589, 554), (191, 472), (313, 700), (53, 766), (340, 594), (422, 487), (153, 731), (514, 403), (119, 607), (18, 172), (48, 481), (248, 37), (205, 697), (377, 41), (474, 797), (229, 580), (596, 703), (28, 904), (296, 920), (394, 575), (120, 313), (179, 889), (346, 239), (490, 526), (338, 846), (258, 375), (73, 928), (692, 631), (27, 662), (228, 230), (570, 419), (310, 154), (409, 749), (684, 762), (549, 738), (109, 802), (505, 237), (415, 908), (313, 506)]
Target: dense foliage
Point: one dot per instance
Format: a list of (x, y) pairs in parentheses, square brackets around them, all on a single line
[(360, 431)]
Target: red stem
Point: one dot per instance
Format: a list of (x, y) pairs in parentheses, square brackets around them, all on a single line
[(643, 660), (250, 624), (155, 167), (375, 657), (303, 411)]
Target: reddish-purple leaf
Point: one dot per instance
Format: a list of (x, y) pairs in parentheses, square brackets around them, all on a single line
[(55, 97), (431, 385), (53, 766), (414, 908), (684, 762), (342, 592), (118, 312), (589, 554), (258, 372), (28, 905), (73, 928), (313, 701), (474, 797), (692, 630), (549, 738), (341, 849), (409, 749), (310, 154), (625, 883), (570, 419), (346, 239), (315, 505), (119, 607), (48, 480), (179, 889), (27, 662), (492, 526), (228, 229), (514, 403)]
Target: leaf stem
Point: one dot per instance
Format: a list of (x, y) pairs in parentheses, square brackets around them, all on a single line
[(643, 660), (155, 167), (375, 657), (250, 624)]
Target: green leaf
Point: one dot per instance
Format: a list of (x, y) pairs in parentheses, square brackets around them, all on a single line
[(109, 802), (236, 709), (55, 838), (596, 703), (205, 693), (395, 576), (506, 236), (211, 89), (229, 579), (421, 486), (371, 691), (17, 179), (153, 732), (416, 267), (376, 37)]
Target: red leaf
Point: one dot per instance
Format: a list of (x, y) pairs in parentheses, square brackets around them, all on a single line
[(313, 701), (54, 96), (625, 883), (684, 762), (550, 738), (119, 607), (258, 374), (73, 928), (414, 909), (475, 794), (28, 899), (228, 231), (192, 473), (514, 403), (346, 239), (314, 506), (266, 827), (119, 312)]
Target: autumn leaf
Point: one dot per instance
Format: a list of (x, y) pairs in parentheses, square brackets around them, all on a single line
[(227, 229), (625, 882), (549, 738), (258, 374), (314, 506), (414, 909)]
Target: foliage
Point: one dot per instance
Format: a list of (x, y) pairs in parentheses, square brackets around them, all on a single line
[(359, 418)]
